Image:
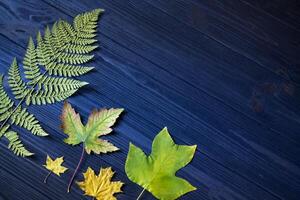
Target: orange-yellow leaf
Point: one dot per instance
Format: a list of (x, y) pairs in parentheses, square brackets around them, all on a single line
[(55, 165), (100, 186)]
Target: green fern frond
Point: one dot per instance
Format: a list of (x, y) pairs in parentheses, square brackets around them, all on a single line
[(33, 73), (63, 48), (76, 36), (41, 97), (59, 69), (49, 89), (17, 85), (19, 116), (16, 145), (5, 102), (26, 120), (85, 24), (56, 54), (30, 62), (4, 129), (58, 84), (71, 49), (62, 52)]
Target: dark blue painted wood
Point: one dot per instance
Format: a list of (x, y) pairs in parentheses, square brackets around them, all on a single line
[(194, 66)]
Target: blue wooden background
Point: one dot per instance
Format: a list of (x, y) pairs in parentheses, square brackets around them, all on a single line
[(220, 74)]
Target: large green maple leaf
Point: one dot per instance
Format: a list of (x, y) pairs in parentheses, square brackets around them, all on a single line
[(156, 172)]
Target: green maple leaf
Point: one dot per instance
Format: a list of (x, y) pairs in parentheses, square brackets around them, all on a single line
[(99, 124), (156, 172)]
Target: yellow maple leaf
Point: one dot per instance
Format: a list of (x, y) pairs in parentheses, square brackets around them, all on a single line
[(55, 165), (100, 186)]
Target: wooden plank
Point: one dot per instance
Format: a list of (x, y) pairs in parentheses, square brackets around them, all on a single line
[(148, 95), (257, 24), (287, 12), (231, 33)]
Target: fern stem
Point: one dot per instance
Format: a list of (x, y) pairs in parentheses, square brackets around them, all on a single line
[(21, 101), (46, 178), (76, 170), (140, 195)]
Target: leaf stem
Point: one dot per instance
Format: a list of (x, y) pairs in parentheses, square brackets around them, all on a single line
[(46, 178), (76, 170), (140, 195)]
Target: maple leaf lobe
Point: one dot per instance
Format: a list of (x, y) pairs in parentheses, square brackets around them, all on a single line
[(71, 125)]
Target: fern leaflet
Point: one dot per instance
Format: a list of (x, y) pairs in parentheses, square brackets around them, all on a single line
[(16, 145)]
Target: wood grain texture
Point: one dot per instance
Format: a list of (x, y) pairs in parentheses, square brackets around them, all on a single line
[(190, 65)]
